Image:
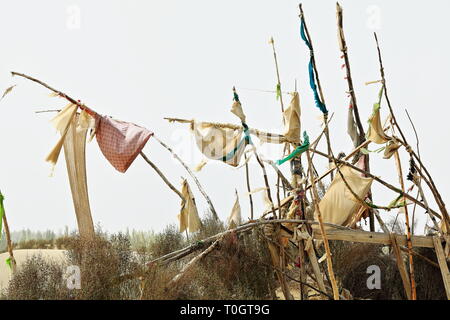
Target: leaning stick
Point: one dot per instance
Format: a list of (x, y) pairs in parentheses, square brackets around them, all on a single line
[(61, 94), (313, 60), (351, 91), (191, 263), (272, 42), (432, 186), (8, 240), (244, 227), (328, 171), (384, 183), (247, 178), (83, 107), (170, 185), (275, 138), (408, 229), (200, 188), (315, 198)]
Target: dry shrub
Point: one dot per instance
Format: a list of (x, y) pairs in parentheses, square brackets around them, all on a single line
[(236, 269), (350, 263), (35, 244), (429, 283), (103, 263), (210, 226), (169, 240), (241, 265), (37, 279)]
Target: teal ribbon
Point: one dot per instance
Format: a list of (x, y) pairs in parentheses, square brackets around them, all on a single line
[(312, 80), (235, 96), (298, 151), (246, 140)]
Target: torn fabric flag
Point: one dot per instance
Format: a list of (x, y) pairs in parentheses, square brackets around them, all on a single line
[(219, 143), (75, 155), (292, 119), (375, 132), (236, 108), (188, 217), (351, 127), (119, 141), (338, 205), (61, 122), (391, 147), (234, 220)]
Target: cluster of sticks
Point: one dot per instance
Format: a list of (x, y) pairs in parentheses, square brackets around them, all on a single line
[(303, 227), (302, 235)]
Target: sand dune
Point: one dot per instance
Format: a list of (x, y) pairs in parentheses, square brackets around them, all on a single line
[(21, 256)]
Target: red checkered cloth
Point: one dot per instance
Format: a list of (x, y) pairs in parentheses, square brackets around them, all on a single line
[(120, 142)]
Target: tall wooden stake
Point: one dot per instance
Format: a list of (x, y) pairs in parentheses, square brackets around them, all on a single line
[(202, 191), (351, 92), (247, 178), (315, 198), (408, 229), (313, 60), (8, 238)]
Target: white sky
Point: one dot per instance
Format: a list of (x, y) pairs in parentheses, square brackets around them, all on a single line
[(140, 61)]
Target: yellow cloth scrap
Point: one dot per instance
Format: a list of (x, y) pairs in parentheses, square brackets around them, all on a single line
[(236, 108), (338, 205), (200, 165), (390, 149), (375, 132), (216, 142), (188, 217), (75, 155), (61, 122), (234, 219), (292, 119)]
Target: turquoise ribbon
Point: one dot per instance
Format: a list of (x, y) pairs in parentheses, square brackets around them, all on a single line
[(312, 80), (245, 141), (298, 151)]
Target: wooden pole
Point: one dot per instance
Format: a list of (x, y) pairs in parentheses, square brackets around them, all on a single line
[(272, 42), (315, 198), (247, 178), (408, 228), (200, 188), (384, 183), (443, 265), (8, 237), (435, 192), (313, 61), (351, 92), (163, 177)]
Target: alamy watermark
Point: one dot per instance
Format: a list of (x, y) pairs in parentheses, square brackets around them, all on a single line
[(374, 280), (373, 21), (72, 277), (73, 21)]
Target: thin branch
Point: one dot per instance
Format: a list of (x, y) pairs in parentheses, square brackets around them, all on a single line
[(202, 191), (163, 177)]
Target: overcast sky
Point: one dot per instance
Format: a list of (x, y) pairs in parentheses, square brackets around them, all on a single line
[(140, 61)]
